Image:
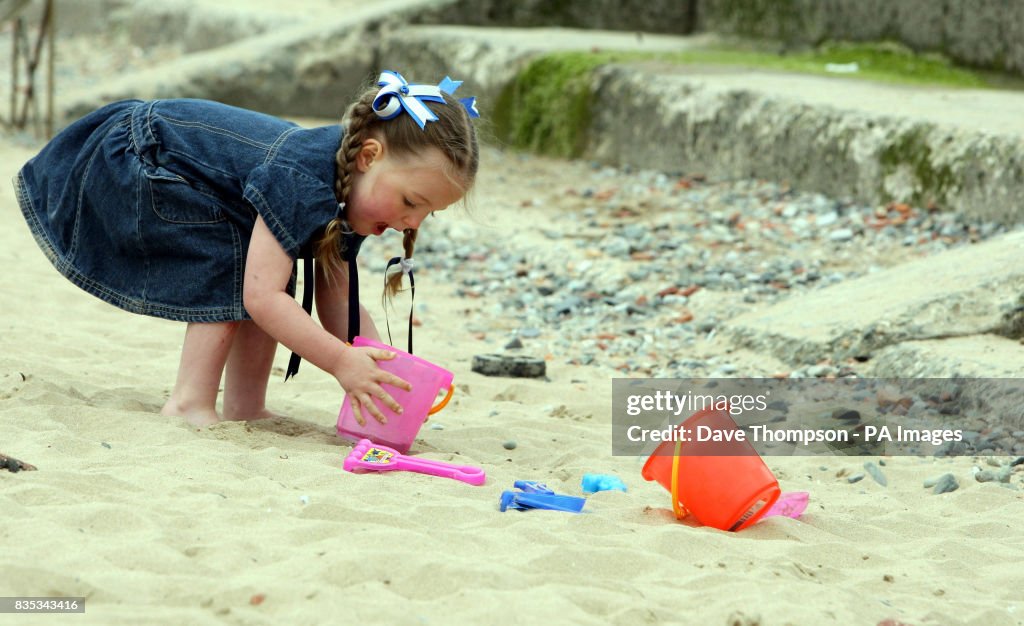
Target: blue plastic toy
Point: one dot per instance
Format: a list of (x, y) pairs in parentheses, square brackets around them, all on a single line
[(592, 483), (523, 501), (536, 495), (532, 486)]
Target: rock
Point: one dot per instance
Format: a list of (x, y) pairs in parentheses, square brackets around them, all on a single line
[(876, 473), (819, 371), (847, 416), (727, 369), (985, 476), (841, 234), (707, 326), (510, 366), (509, 445), (826, 219), (1001, 476), (944, 484)]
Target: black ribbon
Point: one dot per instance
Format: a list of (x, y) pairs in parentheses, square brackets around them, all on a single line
[(412, 287), (307, 302)]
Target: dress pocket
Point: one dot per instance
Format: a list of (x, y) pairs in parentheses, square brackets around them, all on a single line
[(176, 200)]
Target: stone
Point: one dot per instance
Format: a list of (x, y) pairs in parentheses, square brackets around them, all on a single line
[(876, 473), (510, 366), (945, 484)]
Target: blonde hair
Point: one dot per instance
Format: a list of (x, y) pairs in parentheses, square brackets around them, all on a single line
[(453, 134)]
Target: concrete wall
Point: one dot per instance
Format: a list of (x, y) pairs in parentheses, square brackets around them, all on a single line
[(981, 33), (653, 16), (677, 124)]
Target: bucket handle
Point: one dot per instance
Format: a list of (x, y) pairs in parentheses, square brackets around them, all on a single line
[(444, 401), (677, 508)]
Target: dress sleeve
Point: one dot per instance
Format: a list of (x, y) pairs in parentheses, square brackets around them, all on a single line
[(293, 204)]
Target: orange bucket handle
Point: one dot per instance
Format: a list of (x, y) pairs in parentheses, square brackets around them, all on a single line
[(677, 508), (444, 401)]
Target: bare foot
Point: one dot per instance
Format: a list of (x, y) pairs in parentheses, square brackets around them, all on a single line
[(248, 416), (195, 417)]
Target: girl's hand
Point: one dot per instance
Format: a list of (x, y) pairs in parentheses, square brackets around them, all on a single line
[(359, 376)]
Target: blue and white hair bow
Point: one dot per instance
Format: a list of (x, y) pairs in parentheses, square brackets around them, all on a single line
[(449, 86), (396, 95)]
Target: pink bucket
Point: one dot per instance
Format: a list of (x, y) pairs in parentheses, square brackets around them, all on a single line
[(427, 380)]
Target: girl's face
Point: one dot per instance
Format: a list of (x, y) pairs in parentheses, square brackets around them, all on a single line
[(395, 192)]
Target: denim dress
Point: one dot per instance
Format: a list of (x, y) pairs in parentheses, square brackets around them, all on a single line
[(150, 206)]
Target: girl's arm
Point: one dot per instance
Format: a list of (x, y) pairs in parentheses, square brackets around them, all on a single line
[(332, 306), (268, 269)]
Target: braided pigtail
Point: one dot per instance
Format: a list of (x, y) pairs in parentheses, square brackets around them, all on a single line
[(394, 282), (356, 121)]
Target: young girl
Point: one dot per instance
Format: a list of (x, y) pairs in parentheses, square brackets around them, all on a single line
[(197, 211)]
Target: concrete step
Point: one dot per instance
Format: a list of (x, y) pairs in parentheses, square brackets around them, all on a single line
[(971, 356), (968, 291)]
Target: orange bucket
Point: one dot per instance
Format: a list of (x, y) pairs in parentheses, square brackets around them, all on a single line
[(725, 485)]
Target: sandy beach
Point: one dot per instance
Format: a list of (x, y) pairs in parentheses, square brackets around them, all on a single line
[(156, 522)]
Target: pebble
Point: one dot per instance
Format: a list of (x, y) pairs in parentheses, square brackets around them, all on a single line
[(987, 476), (841, 234), (942, 484), (876, 473), (510, 444), (820, 371), (510, 366), (855, 478)]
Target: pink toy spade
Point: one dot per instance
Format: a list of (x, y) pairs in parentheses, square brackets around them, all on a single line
[(370, 457)]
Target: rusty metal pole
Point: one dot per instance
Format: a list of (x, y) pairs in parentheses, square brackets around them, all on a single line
[(15, 48), (25, 94), (50, 48), (33, 53)]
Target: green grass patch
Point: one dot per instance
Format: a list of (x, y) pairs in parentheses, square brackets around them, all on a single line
[(883, 62), (546, 109)]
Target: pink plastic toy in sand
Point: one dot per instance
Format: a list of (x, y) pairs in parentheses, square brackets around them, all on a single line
[(370, 457), (790, 504), (427, 380)]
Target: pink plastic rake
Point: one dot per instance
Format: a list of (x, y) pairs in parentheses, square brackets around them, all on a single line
[(370, 457)]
